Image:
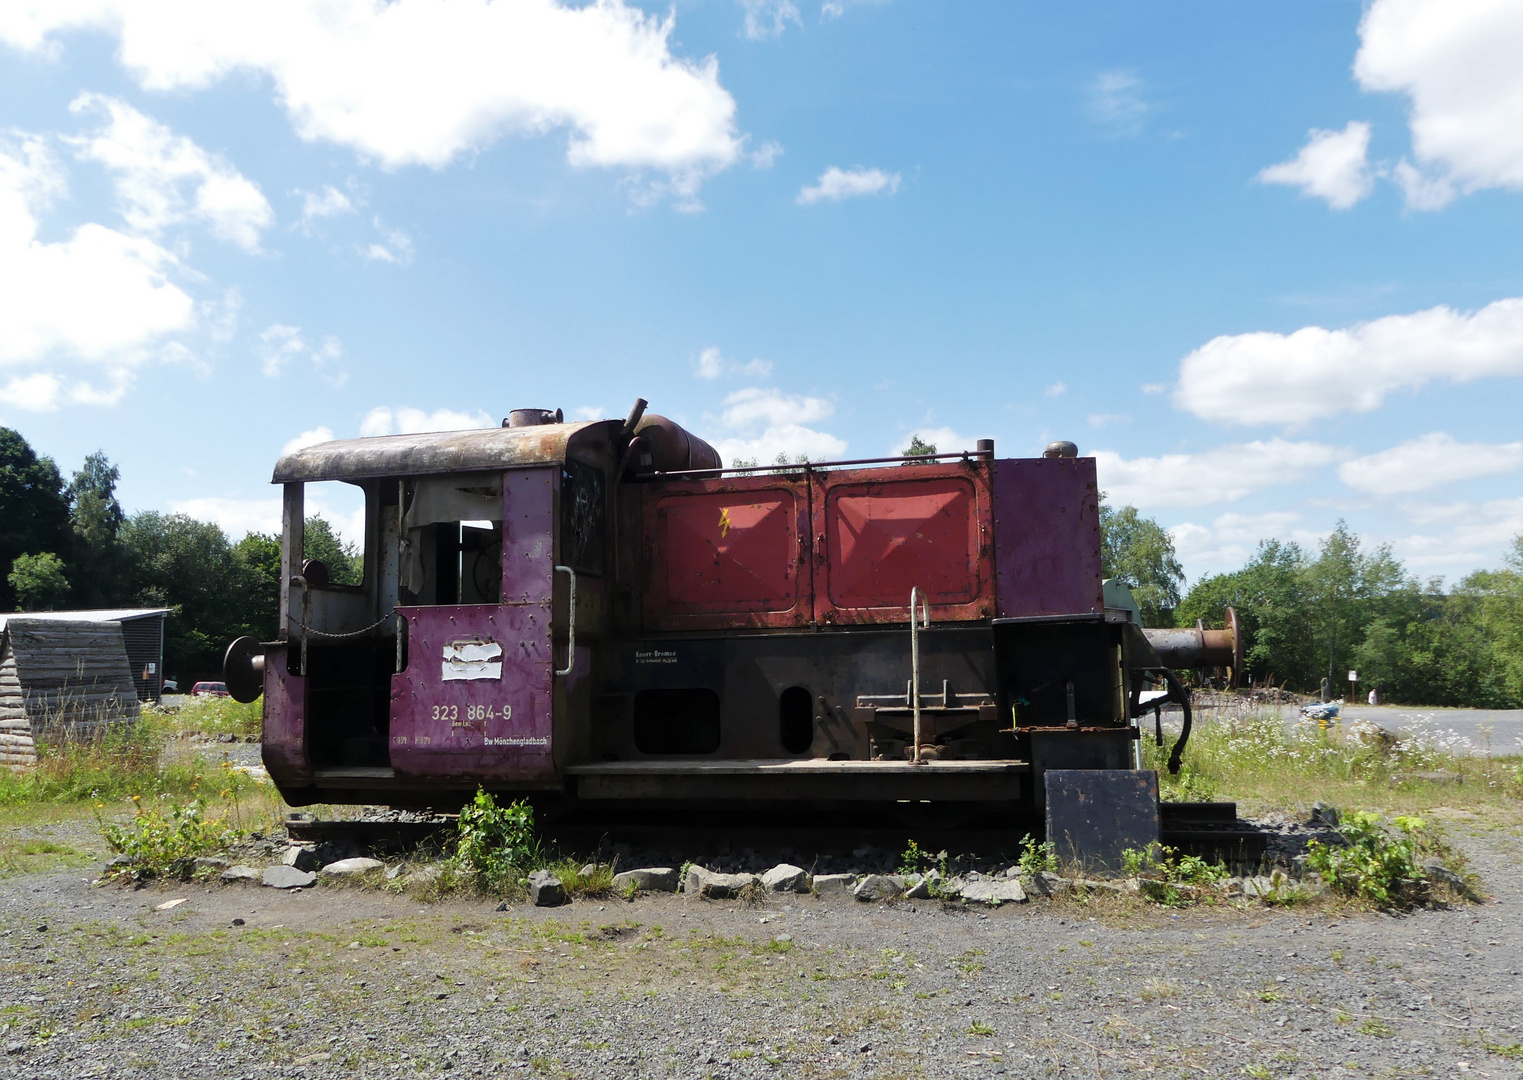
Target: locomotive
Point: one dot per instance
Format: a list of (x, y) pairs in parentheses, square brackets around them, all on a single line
[(601, 615)]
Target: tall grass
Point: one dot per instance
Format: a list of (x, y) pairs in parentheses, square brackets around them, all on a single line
[(210, 716), (1254, 755), (114, 763)]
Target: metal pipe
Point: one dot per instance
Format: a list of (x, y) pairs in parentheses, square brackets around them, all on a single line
[(925, 607), (636, 411), (1178, 693), (967, 455)]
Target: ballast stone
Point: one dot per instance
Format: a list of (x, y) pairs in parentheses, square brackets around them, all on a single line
[(288, 877), (824, 884), (879, 887), (546, 890), (302, 858), (350, 867), (706, 883), (647, 879), (994, 891), (785, 877), (240, 873)]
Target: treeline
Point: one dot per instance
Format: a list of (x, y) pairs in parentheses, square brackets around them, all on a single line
[(1309, 616), (66, 545)]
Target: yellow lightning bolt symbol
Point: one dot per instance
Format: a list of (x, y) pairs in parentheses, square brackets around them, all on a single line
[(724, 522)]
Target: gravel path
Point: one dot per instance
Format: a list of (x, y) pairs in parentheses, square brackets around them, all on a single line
[(244, 981)]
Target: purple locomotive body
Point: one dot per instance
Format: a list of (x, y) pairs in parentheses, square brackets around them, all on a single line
[(597, 613)]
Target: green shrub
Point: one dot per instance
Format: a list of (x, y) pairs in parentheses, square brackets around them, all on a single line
[(1036, 858), (1379, 864), (162, 835), (210, 716), (496, 845), (1169, 877)]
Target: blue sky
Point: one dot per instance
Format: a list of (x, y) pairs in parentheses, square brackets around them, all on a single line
[(1265, 262)]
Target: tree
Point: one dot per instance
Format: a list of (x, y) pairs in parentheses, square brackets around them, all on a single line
[(918, 447), (1345, 588), (39, 582), (34, 516), (344, 563), (1139, 552), (186, 565), (99, 569)]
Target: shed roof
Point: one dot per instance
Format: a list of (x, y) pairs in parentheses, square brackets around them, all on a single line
[(90, 615), (480, 450)]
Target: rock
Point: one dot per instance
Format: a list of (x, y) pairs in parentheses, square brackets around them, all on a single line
[(208, 863), (300, 857), (287, 877), (240, 873), (15, 1047), (351, 867), (824, 884), (546, 890), (1323, 815), (1438, 872), (706, 883), (1437, 776), (785, 877), (995, 892), (927, 885), (120, 862), (587, 870), (170, 905), (647, 879), (879, 887), (238, 922), (1258, 885), (1101, 885), (1046, 883)]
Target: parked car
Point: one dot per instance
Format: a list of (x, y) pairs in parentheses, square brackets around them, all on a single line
[(209, 689), (169, 687)]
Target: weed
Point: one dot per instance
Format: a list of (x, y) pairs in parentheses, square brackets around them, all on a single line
[(159, 838), (1378, 1028), (1169, 877), (1037, 858), (1258, 1071), (1378, 864), (978, 1027), (495, 845), (1513, 1051)]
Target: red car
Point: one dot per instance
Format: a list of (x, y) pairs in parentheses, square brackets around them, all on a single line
[(209, 689)]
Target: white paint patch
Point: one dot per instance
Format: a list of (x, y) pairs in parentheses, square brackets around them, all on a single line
[(472, 658)]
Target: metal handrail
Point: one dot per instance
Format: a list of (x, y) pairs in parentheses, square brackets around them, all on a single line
[(810, 466), (925, 609), (570, 623)]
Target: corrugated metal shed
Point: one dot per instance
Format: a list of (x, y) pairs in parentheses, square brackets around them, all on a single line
[(59, 678)]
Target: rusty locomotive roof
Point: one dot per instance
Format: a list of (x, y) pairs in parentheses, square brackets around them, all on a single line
[(480, 450)]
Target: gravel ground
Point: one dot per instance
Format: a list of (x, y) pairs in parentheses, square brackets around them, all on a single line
[(244, 981)]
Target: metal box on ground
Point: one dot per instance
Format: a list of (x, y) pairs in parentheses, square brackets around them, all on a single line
[(1094, 815)]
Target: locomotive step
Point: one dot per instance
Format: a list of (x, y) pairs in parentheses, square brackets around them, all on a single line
[(848, 781)]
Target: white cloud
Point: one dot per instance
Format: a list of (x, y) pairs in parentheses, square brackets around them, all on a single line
[(420, 82), (1471, 535), (1333, 165), (330, 202), (589, 412), (1154, 387), (308, 438), (46, 392), (396, 250), (234, 516), (281, 345), (1231, 539), (767, 19), (757, 425), (1100, 420), (834, 9), (765, 154), (944, 439), (1221, 474), (1057, 389), (1458, 63), (1292, 379), (712, 364), (1428, 461), (1115, 101), (100, 296), (407, 421), (164, 179), (837, 184)]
